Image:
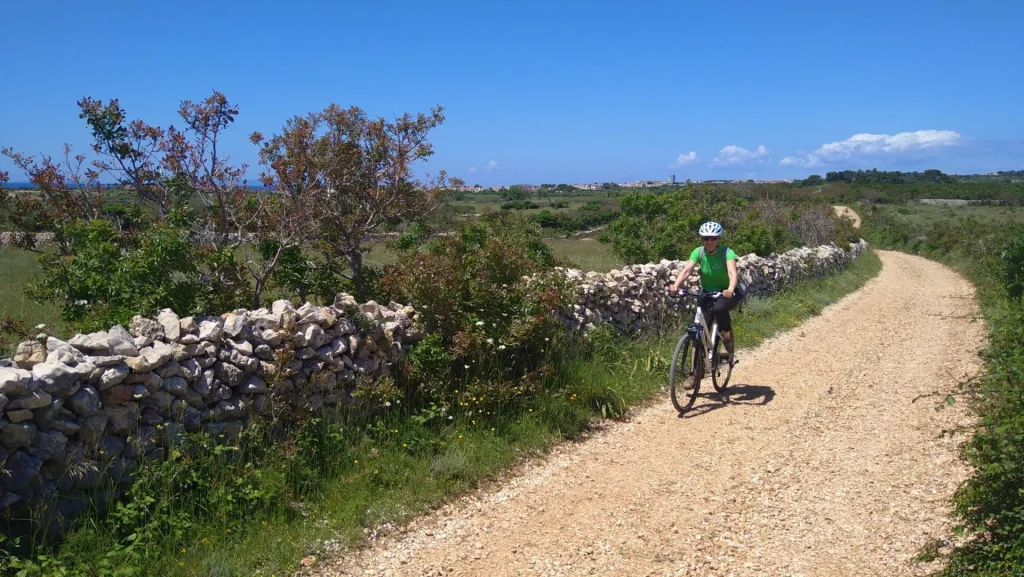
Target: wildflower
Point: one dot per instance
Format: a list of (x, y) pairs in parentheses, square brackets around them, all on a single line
[(501, 347), (479, 323), (41, 326)]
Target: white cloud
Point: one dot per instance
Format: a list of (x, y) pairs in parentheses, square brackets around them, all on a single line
[(805, 161), (685, 159), (491, 165), (867, 144), (472, 170), (733, 155)]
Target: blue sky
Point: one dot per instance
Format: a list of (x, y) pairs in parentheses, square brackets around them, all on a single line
[(551, 91)]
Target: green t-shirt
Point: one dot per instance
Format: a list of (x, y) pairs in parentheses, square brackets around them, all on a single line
[(713, 274)]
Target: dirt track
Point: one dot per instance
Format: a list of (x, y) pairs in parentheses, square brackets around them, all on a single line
[(821, 465), (849, 212)]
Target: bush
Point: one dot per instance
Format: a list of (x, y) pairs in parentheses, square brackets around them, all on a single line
[(108, 276), (657, 225), (1013, 268), (489, 326)]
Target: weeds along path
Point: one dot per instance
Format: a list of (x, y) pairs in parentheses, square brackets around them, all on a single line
[(848, 212), (823, 464)]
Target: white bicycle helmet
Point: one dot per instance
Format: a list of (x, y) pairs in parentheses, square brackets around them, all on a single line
[(711, 228)]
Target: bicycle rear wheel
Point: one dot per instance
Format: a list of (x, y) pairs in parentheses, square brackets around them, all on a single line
[(685, 368), (720, 373)]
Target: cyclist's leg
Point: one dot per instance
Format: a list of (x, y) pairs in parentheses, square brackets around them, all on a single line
[(721, 314)]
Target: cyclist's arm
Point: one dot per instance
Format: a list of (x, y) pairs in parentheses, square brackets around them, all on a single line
[(684, 274), (730, 266)]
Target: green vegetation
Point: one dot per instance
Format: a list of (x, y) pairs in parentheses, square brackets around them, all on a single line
[(656, 226), (989, 506)]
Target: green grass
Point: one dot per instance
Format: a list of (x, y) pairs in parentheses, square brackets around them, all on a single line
[(17, 268), (403, 465), (587, 254)]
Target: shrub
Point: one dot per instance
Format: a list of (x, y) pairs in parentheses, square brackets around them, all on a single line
[(108, 276), (490, 327), (1013, 267), (657, 226)]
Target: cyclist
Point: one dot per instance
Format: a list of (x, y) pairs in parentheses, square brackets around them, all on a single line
[(716, 274)]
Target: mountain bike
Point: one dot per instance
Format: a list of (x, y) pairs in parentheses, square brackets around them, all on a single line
[(693, 358)]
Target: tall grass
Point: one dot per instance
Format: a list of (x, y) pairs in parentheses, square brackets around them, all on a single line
[(259, 508)]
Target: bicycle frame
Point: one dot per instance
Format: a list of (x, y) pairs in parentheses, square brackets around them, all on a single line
[(699, 328)]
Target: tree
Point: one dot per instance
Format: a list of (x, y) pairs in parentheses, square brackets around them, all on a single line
[(356, 173), (181, 179)]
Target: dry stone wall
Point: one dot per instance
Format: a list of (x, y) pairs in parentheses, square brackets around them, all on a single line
[(636, 299), (112, 399), (80, 415)]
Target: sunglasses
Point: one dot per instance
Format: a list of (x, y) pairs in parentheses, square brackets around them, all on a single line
[(707, 238)]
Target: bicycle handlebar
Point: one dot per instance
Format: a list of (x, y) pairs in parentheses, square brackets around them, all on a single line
[(683, 292)]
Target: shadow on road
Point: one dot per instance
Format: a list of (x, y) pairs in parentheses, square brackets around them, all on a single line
[(736, 395)]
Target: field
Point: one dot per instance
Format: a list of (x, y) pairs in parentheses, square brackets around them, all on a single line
[(925, 214), (19, 267)]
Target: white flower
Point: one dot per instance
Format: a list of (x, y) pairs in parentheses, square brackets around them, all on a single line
[(466, 366), (40, 327), (479, 323), (387, 403), (501, 347), (490, 341)]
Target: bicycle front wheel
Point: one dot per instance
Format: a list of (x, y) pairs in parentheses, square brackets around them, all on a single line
[(720, 372), (685, 374)]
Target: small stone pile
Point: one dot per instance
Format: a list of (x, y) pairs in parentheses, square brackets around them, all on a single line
[(112, 399), (635, 298)]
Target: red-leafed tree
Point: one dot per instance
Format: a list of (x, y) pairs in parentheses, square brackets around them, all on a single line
[(357, 172)]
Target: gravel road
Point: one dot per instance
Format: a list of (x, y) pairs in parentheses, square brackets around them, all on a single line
[(822, 464)]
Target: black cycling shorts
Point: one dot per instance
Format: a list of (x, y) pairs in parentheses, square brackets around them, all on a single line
[(720, 312)]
